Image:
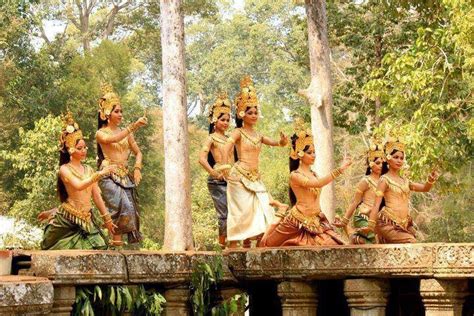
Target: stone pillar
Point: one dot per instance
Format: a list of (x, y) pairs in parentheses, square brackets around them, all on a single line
[(177, 301), (443, 297), (366, 297), (64, 298), (229, 292), (298, 298)]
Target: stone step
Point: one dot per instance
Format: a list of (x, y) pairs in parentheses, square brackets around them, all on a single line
[(25, 295)]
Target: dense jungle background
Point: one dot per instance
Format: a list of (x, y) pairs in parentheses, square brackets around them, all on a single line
[(405, 64)]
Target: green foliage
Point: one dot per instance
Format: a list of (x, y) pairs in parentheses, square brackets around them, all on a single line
[(426, 90), (115, 300), (36, 164), (205, 280)]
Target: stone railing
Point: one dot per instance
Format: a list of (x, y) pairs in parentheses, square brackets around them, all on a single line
[(434, 279)]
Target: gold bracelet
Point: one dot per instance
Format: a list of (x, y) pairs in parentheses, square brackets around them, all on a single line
[(132, 127), (379, 193), (138, 166), (108, 221), (336, 173), (345, 220)]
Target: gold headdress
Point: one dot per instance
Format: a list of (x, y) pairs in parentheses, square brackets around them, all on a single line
[(247, 96), (221, 106), (375, 151), (107, 101), (393, 143), (303, 138), (70, 134)]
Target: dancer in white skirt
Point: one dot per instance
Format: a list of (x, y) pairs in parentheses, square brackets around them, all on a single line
[(250, 209)]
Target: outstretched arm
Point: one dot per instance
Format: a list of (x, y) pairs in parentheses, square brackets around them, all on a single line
[(425, 187), (270, 142), (104, 138), (304, 182), (78, 184)]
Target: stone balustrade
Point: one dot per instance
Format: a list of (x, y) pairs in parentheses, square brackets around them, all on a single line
[(364, 280)]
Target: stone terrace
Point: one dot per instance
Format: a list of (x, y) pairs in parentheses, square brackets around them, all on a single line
[(434, 279)]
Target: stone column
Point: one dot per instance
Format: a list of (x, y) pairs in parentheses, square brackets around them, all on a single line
[(366, 297), (64, 298), (298, 298), (227, 293), (443, 297), (177, 301)]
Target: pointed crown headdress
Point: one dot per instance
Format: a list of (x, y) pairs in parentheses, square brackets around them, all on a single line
[(393, 143), (375, 150), (107, 101), (221, 106), (303, 138), (247, 96), (70, 134)]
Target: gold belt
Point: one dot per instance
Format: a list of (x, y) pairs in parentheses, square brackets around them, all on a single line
[(84, 215), (310, 222), (388, 215), (121, 171), (252, 175)]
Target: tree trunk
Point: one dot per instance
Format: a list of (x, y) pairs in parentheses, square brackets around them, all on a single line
[(378, 62), (178, 221), (319, 96)]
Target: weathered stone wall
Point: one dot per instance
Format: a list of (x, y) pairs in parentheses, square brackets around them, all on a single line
[(292, 274)]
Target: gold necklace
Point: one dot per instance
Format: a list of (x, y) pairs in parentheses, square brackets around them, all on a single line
[(315, 191), (252, 140), (218, 139), (76, 172)]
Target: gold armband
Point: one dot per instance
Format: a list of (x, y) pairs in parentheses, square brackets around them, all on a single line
[(371, 224), (230, 139), (379, 193), (205, 148), (138, 166), (359, 191)]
